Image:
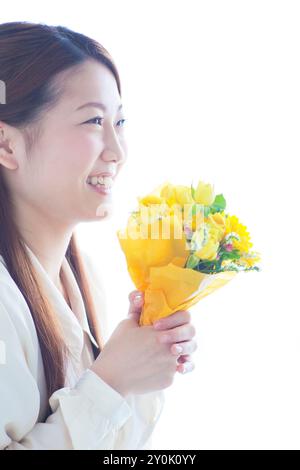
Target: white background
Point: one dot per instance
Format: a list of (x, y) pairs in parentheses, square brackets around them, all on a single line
[(211, 91)]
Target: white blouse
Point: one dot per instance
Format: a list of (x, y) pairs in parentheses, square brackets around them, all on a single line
[(87, 413)]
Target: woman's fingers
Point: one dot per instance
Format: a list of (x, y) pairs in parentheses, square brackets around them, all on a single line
[(136, 301), (185, 347), (176, 319), (185, 364), (184, 358), (175, 335)]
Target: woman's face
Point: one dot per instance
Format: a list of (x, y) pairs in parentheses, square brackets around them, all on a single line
[(52, 179)]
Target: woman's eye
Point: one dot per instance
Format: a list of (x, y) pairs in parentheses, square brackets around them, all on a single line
[(94, 119), (98, 117), (122, 121)]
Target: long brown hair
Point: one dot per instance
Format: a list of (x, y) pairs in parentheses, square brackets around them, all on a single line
[(31, 56)]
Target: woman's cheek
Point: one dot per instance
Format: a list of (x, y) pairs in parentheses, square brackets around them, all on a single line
[(82, 153), (88, 148)]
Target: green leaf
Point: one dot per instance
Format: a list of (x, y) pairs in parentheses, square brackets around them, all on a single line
[(219, 204), (192, 261), (208, 266), (197, 208), (207, 210), (193, 191), (234, 254)]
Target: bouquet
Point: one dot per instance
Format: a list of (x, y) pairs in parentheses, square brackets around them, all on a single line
[(180, 245)]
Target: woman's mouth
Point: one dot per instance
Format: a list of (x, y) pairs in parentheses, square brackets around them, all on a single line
[(101, 184), (101, 189)]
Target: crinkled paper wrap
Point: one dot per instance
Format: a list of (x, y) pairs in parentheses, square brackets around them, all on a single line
[(169, 286), (173, 288)]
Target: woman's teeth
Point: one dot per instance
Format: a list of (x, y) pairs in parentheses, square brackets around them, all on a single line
[(106, 181)]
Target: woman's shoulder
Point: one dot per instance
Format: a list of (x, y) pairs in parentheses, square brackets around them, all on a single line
[(8, 288), (13, 304)]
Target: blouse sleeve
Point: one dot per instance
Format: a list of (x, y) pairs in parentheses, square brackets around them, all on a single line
[(91, 415), (147, 408)]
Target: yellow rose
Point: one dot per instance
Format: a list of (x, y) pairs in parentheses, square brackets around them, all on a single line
[(218, 218), (209, 251), (204, 194), (217, 224)]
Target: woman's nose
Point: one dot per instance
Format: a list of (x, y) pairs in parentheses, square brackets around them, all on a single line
[(117, 155)]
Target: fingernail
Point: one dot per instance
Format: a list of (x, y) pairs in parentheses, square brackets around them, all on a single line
[(157, 324), (137, 299), (177, 349), (188, 367)]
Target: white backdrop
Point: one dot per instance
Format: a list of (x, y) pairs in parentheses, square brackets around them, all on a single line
[(211, 91)]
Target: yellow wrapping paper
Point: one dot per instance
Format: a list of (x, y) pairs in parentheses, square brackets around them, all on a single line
[(173, 288), (166, 284)]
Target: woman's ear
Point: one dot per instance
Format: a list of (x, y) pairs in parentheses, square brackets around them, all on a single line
[(7, 155)]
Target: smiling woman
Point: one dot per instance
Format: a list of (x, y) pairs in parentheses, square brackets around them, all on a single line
[(57, 168)]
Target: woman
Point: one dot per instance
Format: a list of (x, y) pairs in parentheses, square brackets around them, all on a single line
[(61, 387)]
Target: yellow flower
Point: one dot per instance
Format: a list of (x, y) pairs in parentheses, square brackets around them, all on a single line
[(199, 238), (217, 224), (204, 194), (183, 195), (234, 226), (218, 218), (210, 240), (151, 243), (179, 194), (250, 259), (197, 221), (209, 251), (169, 194), (151, 199)]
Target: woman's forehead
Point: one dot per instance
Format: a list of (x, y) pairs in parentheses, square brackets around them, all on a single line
[(93, 85)]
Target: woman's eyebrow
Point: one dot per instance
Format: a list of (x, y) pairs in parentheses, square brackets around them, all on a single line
[(96, 104)]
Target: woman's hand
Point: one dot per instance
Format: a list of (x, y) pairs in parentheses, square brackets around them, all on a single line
[(133, 360), (177, 331)]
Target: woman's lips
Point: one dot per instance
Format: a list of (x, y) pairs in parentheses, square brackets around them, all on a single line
[(100, 189)]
